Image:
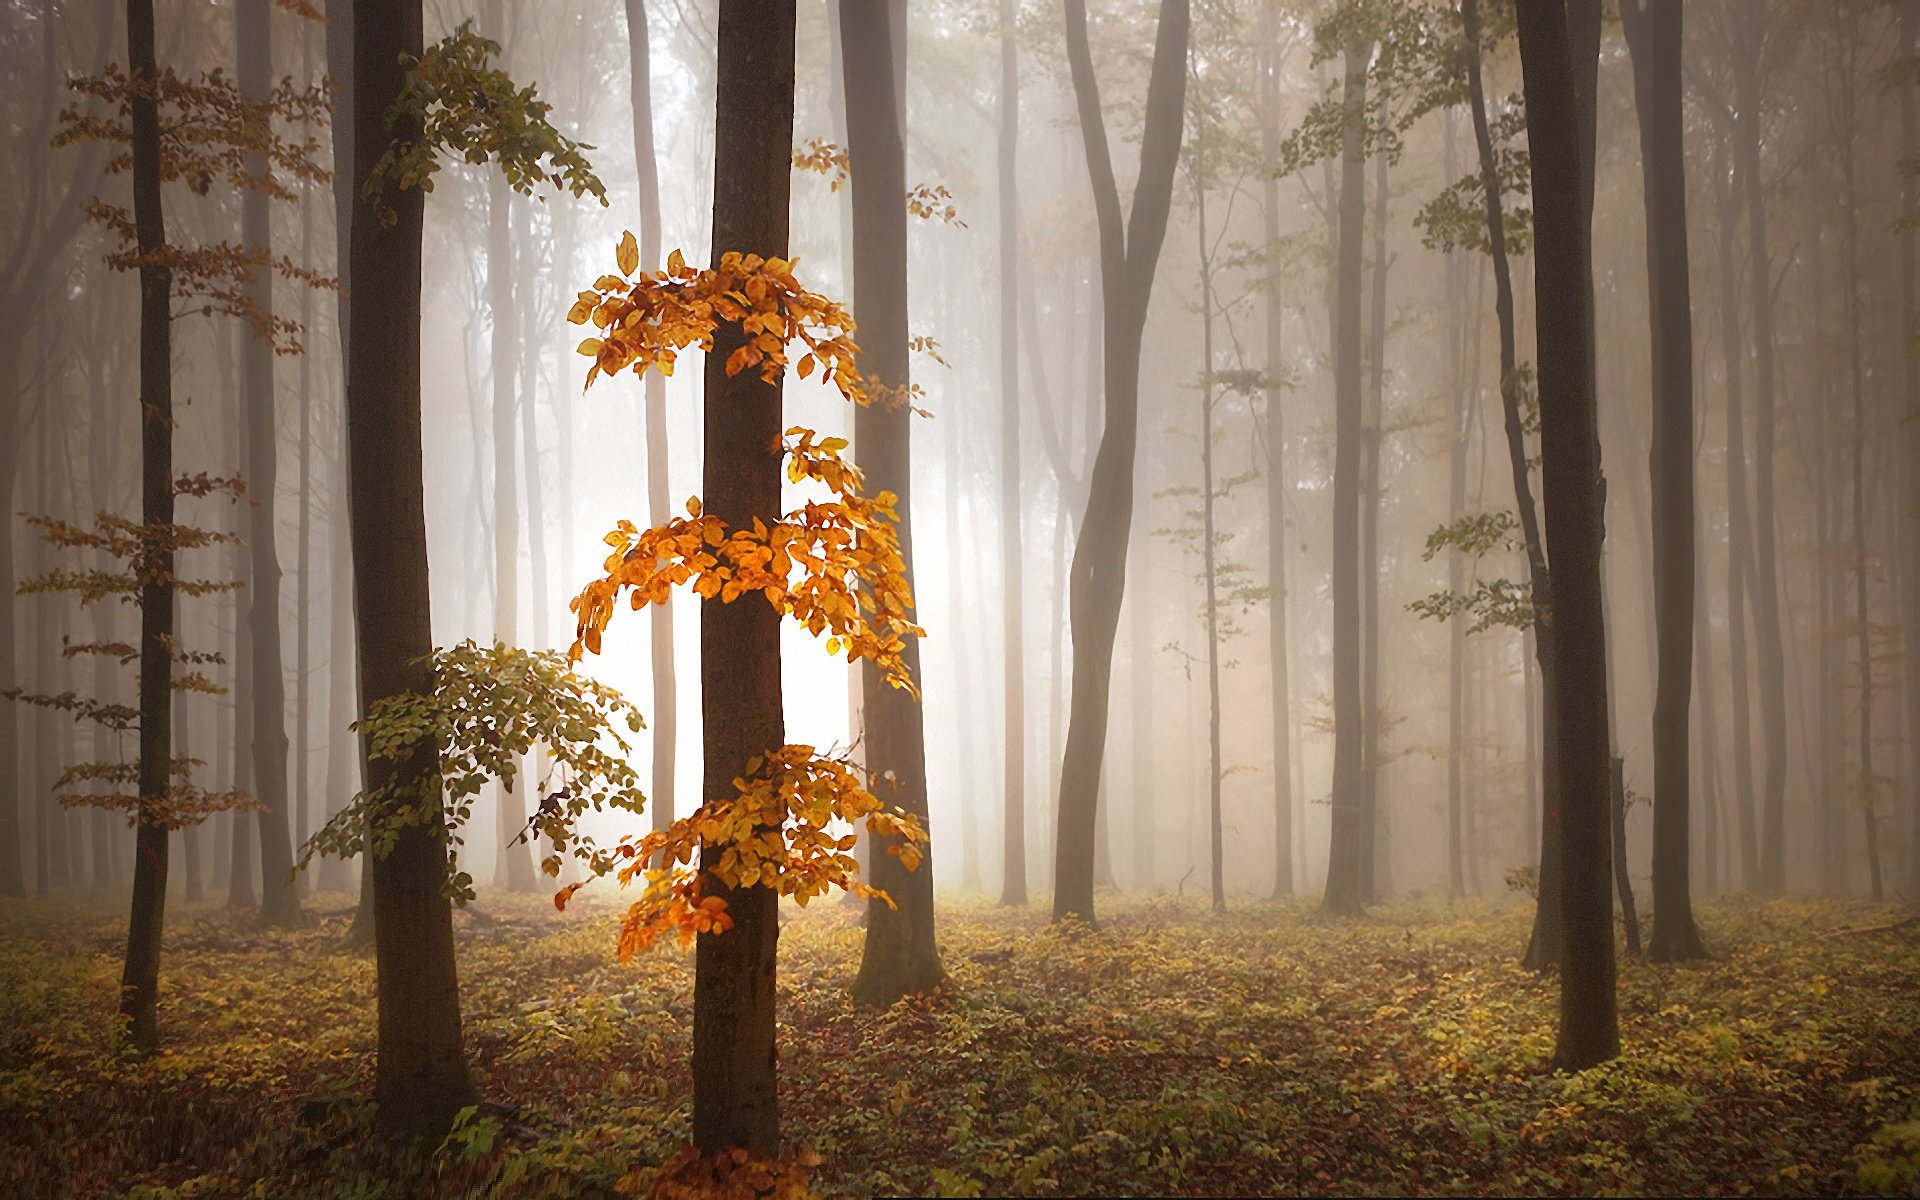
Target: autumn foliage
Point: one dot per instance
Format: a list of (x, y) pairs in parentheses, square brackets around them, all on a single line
[(833, 565)]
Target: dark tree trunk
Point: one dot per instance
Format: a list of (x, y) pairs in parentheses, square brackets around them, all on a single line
[(1543, 945), (1571, 480), (1751, 37), (1128, 256), (140, 981), (420, 1072), (1653, 37), (1347, 848), (303, 554), (1013, 887), (665, 718), (279, 903), (735, 1101), (900, 958), (1622, 882)]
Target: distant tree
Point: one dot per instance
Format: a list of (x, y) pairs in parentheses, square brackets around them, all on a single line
[(666, 705), (1129, 254), (1571, 480)]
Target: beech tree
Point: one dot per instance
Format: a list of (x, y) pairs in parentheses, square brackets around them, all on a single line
[(1129, 254), (1571, 481)]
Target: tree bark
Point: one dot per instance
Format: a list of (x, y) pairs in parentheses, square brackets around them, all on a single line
[(1274, 431), (735, 1102), (1653, 39), (140, 980), (1543, 944), (1572, 483), (1216, 848), (1347, 856), (1750, 37), (900, 957), (279, 903), (1128, 257), (1910, 397), (420, 1069)]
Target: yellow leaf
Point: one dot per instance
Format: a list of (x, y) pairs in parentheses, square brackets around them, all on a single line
[(628, 254), (676, 264), (590, 347)]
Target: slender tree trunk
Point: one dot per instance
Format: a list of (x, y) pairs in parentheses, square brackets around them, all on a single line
[(420, 1068), (303, 554), (1846, 131), (1740, 566), (279, 903), (1128, 257), (899, 958), (241, 893), (1347, 848), (962, 652), (1013, 888), (1751, 36), (1910, 418), (1279, 681), (666, 713), (1461, 423), (735, 1102), (1653, 37), (1140, 722), (1216, 847), (140, 981), (1706, 674), (1571, 479), (1375, 853), (1543, 945)]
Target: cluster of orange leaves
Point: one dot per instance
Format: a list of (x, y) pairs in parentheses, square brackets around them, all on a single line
[(734, 1174), (778, 831), (832, 565), (645, 320)]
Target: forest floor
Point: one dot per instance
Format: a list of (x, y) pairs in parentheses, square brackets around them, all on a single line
[(1172, 1051)]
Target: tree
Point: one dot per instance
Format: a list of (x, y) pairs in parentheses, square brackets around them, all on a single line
[(1345, 889), (666, 704), (1274, 435), (1910, 394), (1013, 887), (412, 105), (279, 902), (1571, 480), (900, 957), (1128, 257), (1653, 39)]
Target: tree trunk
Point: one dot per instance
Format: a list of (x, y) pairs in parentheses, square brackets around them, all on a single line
[(303, 554), (1571, 480), (1216, 847), (1013, 887), (1374, 855), (279, 903), (1279, 681), (1543, 944), (1128, 257), (1751, 35), (1653, 38), (1844, 118), (735, 1101), (899, 957), (665, 718), (1347, 849), (1464, 394), (1910, 395), (140, 981), (420, 1069)]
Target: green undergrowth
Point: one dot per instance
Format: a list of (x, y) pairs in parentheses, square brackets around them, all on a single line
[(1169, 1051)]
